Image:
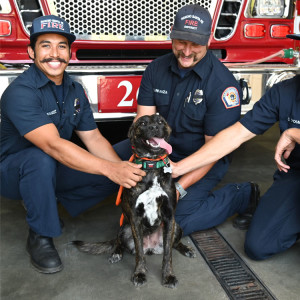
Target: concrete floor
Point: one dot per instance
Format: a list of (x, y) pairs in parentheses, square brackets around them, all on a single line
[(92, 277)]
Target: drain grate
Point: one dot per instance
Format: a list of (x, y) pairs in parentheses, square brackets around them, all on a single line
[(234, 275)]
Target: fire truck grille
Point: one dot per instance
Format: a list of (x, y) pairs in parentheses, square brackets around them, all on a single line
[(121, 20)]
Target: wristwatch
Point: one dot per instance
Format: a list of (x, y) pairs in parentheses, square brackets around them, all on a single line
[(180, 189)]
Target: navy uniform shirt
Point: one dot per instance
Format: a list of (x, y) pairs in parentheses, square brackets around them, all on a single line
[(203, 102), (30, 101), (281, 103)]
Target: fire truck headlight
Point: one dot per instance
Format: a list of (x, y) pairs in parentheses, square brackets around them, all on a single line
[(267, 9), (273, 8)]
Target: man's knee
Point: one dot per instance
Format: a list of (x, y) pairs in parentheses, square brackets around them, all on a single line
[(255, 247), (26, 167), (38, 161)]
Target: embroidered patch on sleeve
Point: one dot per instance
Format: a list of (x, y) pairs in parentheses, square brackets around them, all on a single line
[(231, 98)]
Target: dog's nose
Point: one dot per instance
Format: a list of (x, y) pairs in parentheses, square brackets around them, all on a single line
[(153, 127)]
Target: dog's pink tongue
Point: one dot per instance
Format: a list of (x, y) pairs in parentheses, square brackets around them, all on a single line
[(163, 144)]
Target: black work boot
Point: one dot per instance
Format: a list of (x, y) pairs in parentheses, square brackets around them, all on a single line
[(44, 256), (242, 221)]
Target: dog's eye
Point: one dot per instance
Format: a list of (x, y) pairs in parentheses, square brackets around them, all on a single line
[(143, 124), (159, 122)]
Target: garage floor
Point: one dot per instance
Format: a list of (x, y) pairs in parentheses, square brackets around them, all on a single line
[(92, 277)]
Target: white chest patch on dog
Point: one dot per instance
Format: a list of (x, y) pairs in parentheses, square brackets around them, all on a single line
[(148, 198)]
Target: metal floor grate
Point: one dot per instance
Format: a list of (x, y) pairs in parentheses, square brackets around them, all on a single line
[(234, 275)]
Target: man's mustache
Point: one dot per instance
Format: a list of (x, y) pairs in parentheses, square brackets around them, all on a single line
[(180, 53), (46, 60)]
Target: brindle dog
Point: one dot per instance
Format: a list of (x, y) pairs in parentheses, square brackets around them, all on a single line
[(149, 226)]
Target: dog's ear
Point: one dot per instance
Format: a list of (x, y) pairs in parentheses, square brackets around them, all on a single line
[(169, 129), (130, 131)]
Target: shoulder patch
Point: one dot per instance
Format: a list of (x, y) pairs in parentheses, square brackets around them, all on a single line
[(231, 98)]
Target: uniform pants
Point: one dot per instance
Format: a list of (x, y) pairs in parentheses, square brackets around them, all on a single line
[(203, 207), (41, 182), (276, 223)]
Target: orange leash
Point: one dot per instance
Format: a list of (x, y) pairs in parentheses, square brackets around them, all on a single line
[(118, 200), (121, 220)]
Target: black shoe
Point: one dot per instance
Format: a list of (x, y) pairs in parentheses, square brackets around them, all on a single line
[(44, 256), (242, 221)]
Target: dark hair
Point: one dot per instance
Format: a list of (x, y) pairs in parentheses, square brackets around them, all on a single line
[(32, 43)]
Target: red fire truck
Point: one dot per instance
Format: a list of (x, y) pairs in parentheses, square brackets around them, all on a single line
[(117, 39)]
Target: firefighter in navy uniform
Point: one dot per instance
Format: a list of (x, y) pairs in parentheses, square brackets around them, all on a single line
[(275, 225), (40, 110), (276, 222), (199, 97)]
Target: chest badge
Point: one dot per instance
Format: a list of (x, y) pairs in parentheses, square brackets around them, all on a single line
[(198, 97)]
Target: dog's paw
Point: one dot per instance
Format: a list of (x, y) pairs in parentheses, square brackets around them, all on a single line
[(115, 257), (190, 252), (170, 281), (185, 250), (139, 279)]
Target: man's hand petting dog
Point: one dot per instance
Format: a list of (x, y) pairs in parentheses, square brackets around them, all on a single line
[(149, 225), (125, 173)]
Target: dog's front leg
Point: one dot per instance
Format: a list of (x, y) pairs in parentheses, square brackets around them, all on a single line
[(139, 275), (168, 277)]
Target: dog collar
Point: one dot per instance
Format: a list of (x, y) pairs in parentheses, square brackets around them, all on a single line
[(148, 164)]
